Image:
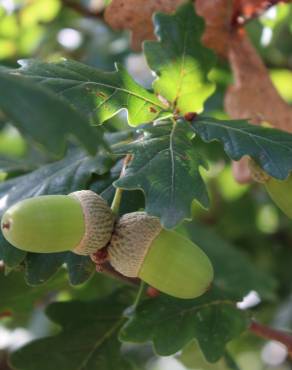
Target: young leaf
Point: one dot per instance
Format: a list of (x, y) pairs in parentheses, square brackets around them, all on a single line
[(96, 94), (180, 61), (165, 166), (88, 340), (172, 323), (270, 148), (40, 114)]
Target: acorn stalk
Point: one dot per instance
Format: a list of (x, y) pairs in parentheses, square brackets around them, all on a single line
[(164, 259), (80, 222)]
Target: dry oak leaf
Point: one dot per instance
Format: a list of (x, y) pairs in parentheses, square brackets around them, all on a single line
[(218, 18), (136, 16)]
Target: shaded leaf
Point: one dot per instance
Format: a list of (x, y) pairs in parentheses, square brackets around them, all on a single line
[(180, 61), (20, 298), (43, 116), (87, 341), (165, 166), (270, 148), (96, 94), (172, 323)]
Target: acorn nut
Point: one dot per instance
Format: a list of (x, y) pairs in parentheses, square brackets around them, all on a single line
[(280, 191), (164, 259), (80, 222)]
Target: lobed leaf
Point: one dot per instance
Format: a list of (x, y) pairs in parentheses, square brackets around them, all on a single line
[(172, 323), (180, 61), (165, 166), (270, 148), (88, 340), (97, 95)]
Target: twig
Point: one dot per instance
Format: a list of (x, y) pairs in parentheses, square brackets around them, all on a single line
[(77, 7), (107, 269), (269, 333)]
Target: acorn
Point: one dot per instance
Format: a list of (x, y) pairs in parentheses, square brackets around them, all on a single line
[(164, 259), (279, 190), (80, 222), (281, 193)]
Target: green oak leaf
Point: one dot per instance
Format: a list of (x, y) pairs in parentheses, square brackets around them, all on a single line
[(270, 148), (43, 116), (96, 94), (87, 341), (180, 61), (165, 166), (172, 323)]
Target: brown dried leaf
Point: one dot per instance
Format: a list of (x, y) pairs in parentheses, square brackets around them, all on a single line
[(136, 16), (218, 16), (253, 95)]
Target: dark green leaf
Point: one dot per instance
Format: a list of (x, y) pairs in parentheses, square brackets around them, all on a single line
[(172, 323), (180, 61), (19, 298), (96, 94), (165, 166), (40, 114), (88, 340), (270, 148)]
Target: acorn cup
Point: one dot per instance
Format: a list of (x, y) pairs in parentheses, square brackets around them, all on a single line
[(80, 222), (164, 259), (280, 191)]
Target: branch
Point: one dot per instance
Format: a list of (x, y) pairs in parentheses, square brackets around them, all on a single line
[(77, 7), (269, 333)]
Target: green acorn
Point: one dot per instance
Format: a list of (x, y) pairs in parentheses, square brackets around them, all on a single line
[(279, 190), (281, 193), (164, 259), (80, 222)]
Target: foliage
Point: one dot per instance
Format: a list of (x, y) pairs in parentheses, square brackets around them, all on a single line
[(72, 119)]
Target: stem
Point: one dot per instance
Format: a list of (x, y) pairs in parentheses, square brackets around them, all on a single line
[(269, 333), (107, 269), (139, 295), (119, 191), (117, 201)]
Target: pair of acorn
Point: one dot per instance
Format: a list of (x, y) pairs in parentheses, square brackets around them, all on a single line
[(136, 243)]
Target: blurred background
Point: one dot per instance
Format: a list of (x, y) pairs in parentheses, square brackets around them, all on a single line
[(242, 214)]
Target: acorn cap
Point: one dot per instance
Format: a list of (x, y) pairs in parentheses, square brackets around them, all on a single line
[(131, 238), (99, 222), (163, 258), (81, 222)]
